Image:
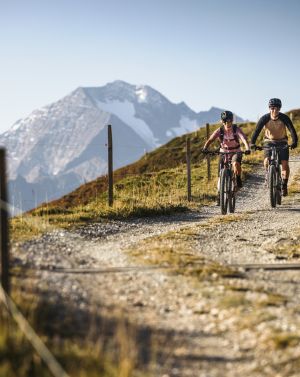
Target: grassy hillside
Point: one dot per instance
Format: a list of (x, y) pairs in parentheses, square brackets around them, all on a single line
[(155, 184), (169, 157), (294, 115)]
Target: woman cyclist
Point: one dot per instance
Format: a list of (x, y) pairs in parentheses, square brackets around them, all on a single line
[(229, 135)]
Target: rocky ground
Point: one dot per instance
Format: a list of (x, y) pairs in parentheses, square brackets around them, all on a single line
[(177, 276)]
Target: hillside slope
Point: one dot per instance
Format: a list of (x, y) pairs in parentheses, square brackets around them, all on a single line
[(169, 156)]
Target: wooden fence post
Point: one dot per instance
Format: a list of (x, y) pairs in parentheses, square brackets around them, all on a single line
[(208, 157), (110, 166), (4, 225), (188, 166)]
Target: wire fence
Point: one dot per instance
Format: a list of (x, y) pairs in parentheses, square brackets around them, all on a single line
[(44, 195), (11, 307), (32, 197)]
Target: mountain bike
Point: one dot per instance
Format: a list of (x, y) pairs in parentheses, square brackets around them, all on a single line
[(274, 180), (227, 186)]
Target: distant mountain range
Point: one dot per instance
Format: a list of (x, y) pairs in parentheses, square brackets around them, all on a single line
[(63, 145)]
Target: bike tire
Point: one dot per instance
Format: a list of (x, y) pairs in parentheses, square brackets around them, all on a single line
[(232, 194), (279, 190), (278, 197), (272, 186), (223, 191)]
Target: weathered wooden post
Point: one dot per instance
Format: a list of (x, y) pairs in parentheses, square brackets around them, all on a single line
[(4, 225), (110, 167), (208, 157), (188, 166)]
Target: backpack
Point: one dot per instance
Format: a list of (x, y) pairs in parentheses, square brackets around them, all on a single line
[(234, 130)]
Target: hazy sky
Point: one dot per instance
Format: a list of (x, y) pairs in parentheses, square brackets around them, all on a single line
[(233, 54)]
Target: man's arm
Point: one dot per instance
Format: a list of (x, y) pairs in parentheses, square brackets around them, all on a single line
[(260, 125), (287, 121)]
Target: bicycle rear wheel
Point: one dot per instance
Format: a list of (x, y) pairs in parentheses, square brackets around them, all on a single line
[(224, 178), (272, 186)]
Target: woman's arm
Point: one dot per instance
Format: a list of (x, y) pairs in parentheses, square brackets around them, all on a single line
[(213, 137)]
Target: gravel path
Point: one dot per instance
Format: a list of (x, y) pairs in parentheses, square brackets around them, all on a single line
[(214, 327)]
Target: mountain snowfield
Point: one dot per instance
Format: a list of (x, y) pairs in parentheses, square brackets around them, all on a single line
[(63, 145)]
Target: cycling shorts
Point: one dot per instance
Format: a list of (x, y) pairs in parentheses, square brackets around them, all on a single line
[(283, 153), (236, 157)]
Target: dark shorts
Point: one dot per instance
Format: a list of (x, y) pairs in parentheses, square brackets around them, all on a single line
[(236, 157), (283, 153)]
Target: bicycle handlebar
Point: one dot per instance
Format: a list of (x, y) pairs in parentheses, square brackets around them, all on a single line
[(261, 147), (217, 152)]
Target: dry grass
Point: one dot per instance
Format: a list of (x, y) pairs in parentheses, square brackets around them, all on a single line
[(83, 349), (282, 340), (136, 196), (156, 184), (176, 250)]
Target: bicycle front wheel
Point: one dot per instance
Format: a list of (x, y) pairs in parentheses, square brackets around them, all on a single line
[(224, 180), (231, 193), (278, 185), (272, 186)]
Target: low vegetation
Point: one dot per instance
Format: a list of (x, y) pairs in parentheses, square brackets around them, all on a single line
[(156, 184), (99, 347)]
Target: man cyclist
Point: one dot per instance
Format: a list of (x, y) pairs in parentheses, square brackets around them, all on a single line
[(229, 135), (275, 124)]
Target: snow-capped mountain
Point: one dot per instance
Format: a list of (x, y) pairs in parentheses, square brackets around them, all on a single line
[(62, 145)]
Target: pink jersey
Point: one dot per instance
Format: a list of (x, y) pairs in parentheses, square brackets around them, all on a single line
[(229, 143)]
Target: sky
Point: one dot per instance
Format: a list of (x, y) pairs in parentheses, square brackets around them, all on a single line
[(232, 54)]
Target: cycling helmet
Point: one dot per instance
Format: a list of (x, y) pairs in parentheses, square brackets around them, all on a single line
[(227, 115), (275, 102)]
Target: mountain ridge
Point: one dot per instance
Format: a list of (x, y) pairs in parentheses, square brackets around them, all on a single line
[(67, 138)]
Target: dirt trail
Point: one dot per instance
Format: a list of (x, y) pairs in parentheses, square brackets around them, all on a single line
[(213, 327)]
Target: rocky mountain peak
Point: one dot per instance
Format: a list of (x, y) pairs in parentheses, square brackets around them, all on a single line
[(63, 145)]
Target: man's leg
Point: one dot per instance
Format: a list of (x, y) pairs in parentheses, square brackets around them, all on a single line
[(285, 169), (285, 173)]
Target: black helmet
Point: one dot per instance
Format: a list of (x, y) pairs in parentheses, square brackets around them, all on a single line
[(275, 102), (227, 115)]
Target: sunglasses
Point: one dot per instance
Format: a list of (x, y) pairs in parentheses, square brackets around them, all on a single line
[(274, 108)]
